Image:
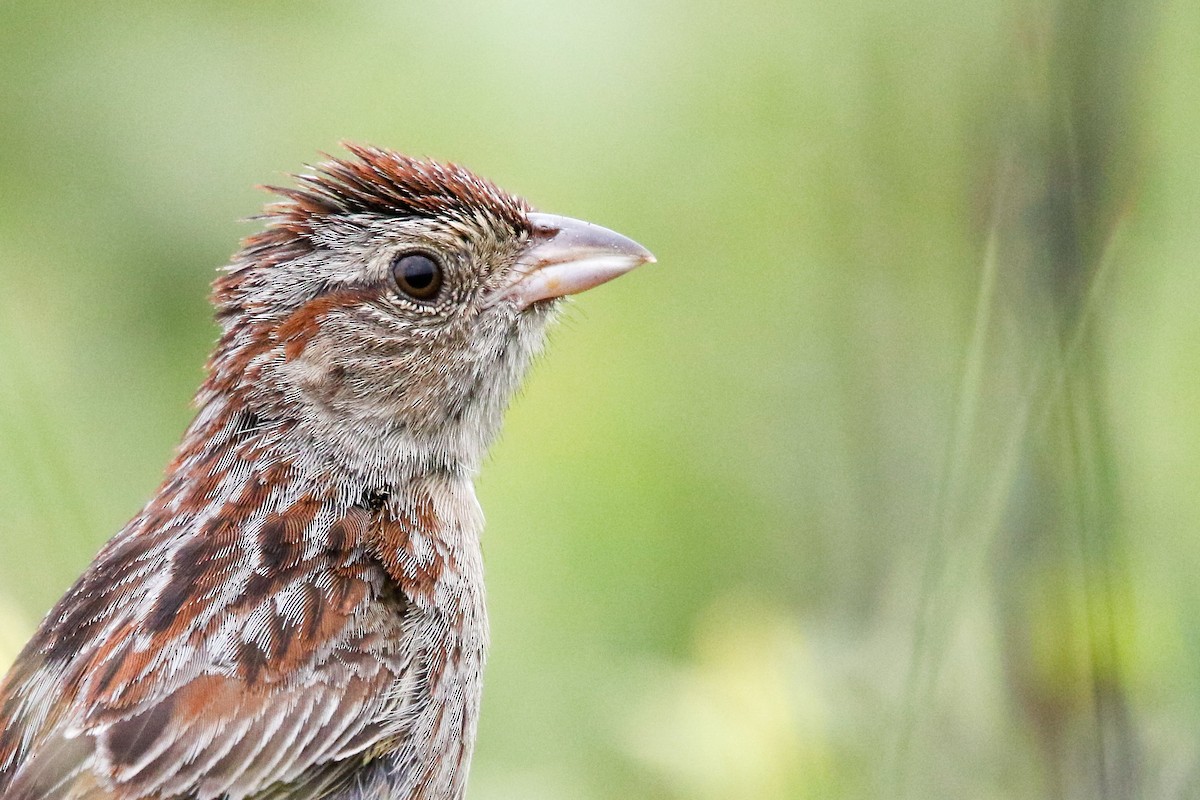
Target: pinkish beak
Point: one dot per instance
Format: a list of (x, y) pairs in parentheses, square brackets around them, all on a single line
[(568, 256)]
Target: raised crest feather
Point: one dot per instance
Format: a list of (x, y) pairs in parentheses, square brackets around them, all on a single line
[(386, 183)]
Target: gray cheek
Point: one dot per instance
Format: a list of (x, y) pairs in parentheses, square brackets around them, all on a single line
[(455, 381), (316, 376), (396, 388)]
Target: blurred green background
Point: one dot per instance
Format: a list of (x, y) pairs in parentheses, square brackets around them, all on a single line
[(883, 482)]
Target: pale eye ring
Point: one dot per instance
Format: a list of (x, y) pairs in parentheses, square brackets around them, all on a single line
[(417, 275)]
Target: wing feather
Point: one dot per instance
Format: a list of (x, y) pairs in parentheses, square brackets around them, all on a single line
[(287, 680)]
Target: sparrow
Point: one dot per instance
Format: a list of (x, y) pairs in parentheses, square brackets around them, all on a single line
[(298, 612)]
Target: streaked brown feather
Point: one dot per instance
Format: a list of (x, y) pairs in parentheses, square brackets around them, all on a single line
[(237, 726)]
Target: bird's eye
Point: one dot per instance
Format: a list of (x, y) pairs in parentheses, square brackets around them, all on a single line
[(417, 275)]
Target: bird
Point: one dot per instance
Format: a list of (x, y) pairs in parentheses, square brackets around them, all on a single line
[(298, 611)]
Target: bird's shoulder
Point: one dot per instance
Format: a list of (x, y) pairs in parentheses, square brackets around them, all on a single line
[(212, 652)]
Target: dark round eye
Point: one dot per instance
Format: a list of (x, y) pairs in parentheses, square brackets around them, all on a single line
[(417, 275)]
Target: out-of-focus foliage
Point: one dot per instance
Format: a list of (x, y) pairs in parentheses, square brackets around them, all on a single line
[(882, 482)]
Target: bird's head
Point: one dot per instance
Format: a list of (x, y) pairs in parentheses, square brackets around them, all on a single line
[(391, 306)]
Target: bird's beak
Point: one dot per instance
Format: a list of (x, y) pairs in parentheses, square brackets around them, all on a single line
[(568, 256)]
